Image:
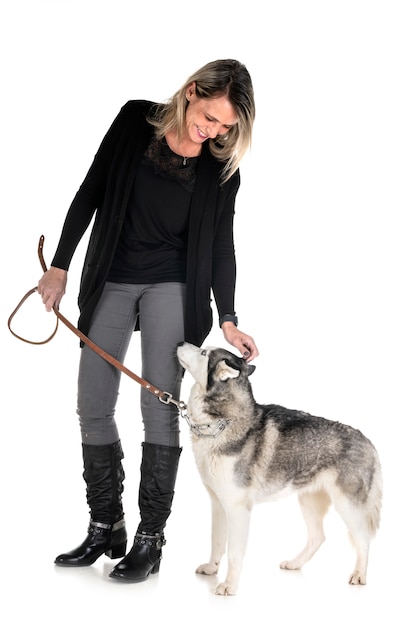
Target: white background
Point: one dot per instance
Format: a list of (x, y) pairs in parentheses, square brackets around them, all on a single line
[(324, 237)]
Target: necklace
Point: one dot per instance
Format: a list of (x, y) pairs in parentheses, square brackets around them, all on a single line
[(171, 146)]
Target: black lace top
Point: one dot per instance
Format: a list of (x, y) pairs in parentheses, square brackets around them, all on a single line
[(170, 165), (153, 242)]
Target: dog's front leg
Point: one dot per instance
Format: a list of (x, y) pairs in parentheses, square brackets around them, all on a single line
[(239, 516), (219, 535)]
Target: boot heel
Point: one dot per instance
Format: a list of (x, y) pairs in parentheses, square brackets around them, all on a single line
[(117, 552), (156, 567)]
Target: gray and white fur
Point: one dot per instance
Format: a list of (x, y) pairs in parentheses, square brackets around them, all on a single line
[(248, 453)]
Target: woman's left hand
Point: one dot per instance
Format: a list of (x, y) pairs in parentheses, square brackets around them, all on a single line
[(244, 343)]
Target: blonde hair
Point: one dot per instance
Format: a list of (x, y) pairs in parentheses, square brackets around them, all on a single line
[(219, 78)]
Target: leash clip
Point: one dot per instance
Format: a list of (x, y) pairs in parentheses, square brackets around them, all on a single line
[(167, 398)]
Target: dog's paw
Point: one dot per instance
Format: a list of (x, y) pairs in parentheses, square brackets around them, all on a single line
[(290, 565), (225, 589), (357, 578), (208, 568)]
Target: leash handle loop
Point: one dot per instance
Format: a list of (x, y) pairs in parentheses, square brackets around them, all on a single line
[(26, 296)]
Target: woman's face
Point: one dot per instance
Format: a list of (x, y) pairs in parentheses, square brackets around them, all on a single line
[(208, 118)]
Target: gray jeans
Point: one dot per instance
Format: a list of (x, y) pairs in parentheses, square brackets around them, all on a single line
[(161, 314)]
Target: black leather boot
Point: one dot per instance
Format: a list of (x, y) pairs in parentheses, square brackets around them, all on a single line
[(101, 538), (104, 475), (159, 467), (142, 560)]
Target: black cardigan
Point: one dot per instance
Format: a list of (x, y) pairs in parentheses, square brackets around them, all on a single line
[(105, 192)]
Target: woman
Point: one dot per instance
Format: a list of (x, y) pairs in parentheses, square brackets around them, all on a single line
[(162, 187)]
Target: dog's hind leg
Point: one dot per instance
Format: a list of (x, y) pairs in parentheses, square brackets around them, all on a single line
[(219, 536), (360, 533), (314, 506)]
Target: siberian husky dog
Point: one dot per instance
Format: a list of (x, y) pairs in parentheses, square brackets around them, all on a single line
[(248, 453)]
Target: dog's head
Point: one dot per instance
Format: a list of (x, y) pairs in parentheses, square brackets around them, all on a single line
[(211, 365)]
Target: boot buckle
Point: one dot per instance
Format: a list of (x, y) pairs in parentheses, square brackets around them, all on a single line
[(156, 541)]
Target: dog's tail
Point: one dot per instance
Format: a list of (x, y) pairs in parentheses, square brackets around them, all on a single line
[(374, 502)]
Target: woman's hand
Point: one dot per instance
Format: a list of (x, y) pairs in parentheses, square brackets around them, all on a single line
[(52, 287), (242, 342)]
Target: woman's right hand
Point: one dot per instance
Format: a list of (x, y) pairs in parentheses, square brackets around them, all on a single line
[(52, 286)]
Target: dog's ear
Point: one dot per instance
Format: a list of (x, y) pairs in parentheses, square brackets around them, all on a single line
[(251, 369), (224, 370), (241, 365)]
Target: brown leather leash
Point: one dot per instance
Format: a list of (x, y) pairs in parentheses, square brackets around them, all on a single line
[(163, 396)]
